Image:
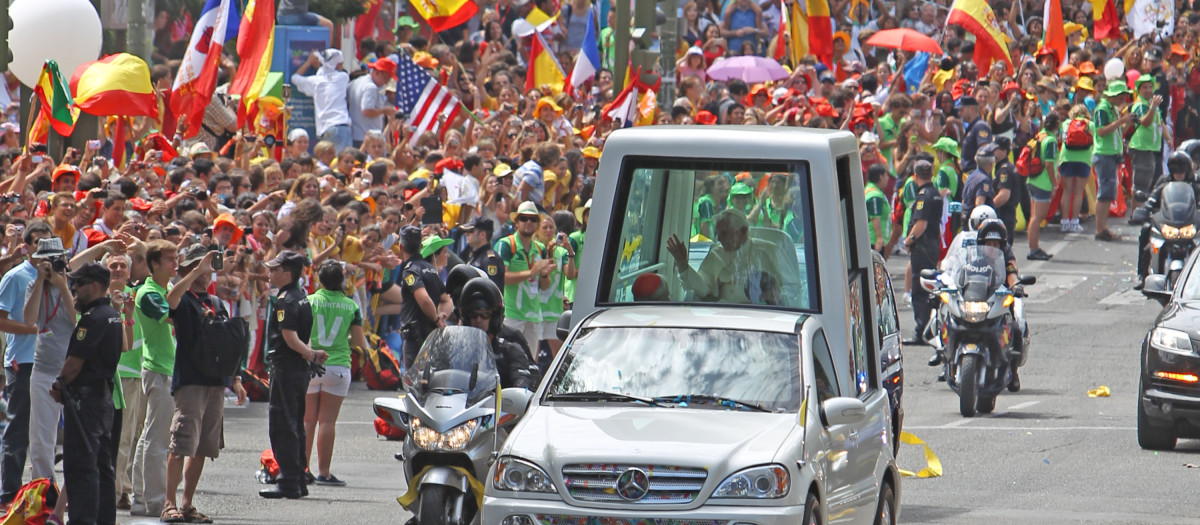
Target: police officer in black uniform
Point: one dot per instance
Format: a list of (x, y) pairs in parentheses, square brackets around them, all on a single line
[(479, 252), (85, 389), (1007, 186), (979, 188), (978, 131), (482, 305), (419, 282), (923, 242), (289, 325)]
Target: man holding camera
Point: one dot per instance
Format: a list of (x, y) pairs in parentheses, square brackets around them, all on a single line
[(85, 388), (50, 307), (289, 325)]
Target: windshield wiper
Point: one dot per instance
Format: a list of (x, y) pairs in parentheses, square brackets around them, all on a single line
[(721, 401), (597, 395)]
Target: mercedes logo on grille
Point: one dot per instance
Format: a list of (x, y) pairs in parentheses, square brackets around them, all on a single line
[(633, 484)]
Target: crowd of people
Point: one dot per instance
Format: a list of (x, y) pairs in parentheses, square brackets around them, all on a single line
[(321, 241)]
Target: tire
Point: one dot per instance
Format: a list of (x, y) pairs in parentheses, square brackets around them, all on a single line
[(812, 510), (985, 404), (1151, 436), (968, 385), (885, 513), (435, 505)]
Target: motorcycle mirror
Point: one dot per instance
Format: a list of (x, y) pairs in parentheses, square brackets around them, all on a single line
[(929, 273), (1140, 196), (474, 376), (1139, 216), (928, 284), (1027, 280)]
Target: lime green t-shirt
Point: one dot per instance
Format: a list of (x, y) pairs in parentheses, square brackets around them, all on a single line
[(522, 301), (1049, 152), (947, 179), (1146, 138), (889, 130), (577, 243), (158, 341), (130, 364), (552, 297), (333, 315), (1076, 155), (877, 208), (1101, 145)]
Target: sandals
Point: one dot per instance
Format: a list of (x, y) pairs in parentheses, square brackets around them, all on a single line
[(194, 516), (171, 514)]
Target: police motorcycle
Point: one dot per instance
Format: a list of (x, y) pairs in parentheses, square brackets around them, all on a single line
[(980, 336), (456, 417), (1172, 227)]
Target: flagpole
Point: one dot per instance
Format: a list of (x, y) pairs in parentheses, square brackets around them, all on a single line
[(34, 108)]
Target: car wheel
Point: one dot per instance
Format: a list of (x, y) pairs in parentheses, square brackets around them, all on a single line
[(1151, 436), (886, 513), (812, 510), (986, 404), (968, 385)]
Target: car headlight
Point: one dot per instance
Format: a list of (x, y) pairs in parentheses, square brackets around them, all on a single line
[(765, 482), (517, 475), (1169, 340), (1170, 232), (1187, 232), (975, 311), (455, 439)]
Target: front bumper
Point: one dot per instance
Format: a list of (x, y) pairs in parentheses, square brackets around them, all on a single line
[(551, 512), (1169, 399)]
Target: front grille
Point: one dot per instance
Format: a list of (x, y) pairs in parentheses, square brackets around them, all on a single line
[(1175, 387), (668, 485), (545, 519)]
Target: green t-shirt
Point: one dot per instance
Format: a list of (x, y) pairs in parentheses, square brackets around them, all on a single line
[(522, 301), (130, 364), (577, 243), (552, 297), (1111, 145), (333, 315), (889, 130), (877, 208), (908, 195), (1076, 155), (1146, 138), (946, 179), (1049, 152), (158, 341), (702, 213)]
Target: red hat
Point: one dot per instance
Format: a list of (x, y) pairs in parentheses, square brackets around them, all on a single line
[(646, 286), (64, 169), (226, 219), (705, 117), (1009, 88), (452, 164), (387, 66), (139, 204)]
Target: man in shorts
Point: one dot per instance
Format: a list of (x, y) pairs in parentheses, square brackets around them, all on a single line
[(196, 428), (1106, 152)]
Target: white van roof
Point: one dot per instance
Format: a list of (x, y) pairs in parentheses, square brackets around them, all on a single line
[(757, 142)]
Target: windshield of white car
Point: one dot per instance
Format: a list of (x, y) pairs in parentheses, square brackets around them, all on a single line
[(735, 369)]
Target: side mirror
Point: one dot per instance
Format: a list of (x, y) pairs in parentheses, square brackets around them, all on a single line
[(1139, 215), (563, 329), (843, 411), (1027, 280), (1140, 196), (1155, 287), (392, 410), (513, 403), (929, 285), (929, 273)]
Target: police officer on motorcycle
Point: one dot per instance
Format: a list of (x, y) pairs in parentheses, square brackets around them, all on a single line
[(993, 233), (1180, 167), (481, 305)]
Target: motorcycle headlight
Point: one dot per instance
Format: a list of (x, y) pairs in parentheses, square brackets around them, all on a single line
[(975, 311), (1171, 232), (765, 482), (1187, 232), (455, 439), (1169, 340), (518, 475)]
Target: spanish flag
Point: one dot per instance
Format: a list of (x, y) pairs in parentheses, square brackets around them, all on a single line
[(57, 105), (1055, 38), (820, 31), (256, 42), (1105, 23), (978, 19), (543, 67), (445, 14), (117, 84)]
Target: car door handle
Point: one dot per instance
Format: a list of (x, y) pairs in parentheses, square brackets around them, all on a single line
[(853, 434)]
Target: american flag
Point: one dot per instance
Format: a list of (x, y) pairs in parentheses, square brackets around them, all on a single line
[(428, 104)]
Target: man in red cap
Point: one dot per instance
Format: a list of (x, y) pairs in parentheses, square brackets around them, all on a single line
[(367, 104)]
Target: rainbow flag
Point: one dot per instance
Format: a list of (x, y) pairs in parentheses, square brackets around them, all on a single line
[(58, 107), (117, 84)]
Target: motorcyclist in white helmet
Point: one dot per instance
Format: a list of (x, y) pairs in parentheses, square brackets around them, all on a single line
[(964, 239)]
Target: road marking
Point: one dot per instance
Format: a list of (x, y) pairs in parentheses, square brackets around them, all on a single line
[(1051, 287), (1054, 249), (968, 420), (1019, 406), (959, 427), (959, 423)]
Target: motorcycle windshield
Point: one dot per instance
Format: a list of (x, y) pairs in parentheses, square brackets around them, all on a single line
[(1178, 204), (454, 360), (978, 271)]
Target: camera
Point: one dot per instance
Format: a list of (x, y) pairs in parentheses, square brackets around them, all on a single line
[(10, 199), (218, 260), (58, 264), (200, 195)]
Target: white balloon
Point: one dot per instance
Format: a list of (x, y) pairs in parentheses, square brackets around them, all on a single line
[(67, 31), (1114, 68)]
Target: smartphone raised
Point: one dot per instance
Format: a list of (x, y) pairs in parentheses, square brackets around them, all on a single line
[(433, 210)]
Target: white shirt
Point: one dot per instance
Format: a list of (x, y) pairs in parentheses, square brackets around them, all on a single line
[(364, 95), (328, 90)]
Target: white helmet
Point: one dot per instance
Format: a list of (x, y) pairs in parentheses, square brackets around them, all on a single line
[(981, 213)]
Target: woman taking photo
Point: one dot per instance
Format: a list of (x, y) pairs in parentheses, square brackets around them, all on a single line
[(337, 321)]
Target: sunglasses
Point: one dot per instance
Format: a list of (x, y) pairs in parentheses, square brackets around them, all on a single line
[(484, 316), (350, 219), (527, 218)]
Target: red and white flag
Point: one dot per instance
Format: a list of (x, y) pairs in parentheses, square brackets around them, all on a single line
[(197, 77)]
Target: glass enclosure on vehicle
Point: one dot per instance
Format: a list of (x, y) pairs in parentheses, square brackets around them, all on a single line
[(702, 231), (759, 368), (453, 360)]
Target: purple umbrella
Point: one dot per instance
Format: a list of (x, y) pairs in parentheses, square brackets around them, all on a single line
[(751, 69)]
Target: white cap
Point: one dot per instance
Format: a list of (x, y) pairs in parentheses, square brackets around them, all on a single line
[(296, 133), (869, 138), (331, 57), (695, 50)]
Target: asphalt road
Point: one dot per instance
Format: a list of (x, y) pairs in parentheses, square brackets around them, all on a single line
[(1050, 454)]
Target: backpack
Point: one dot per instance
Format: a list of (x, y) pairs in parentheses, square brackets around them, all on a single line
[(258, 387), (33, 504), (1079, 136), (380, 368), (1029, 161), (224, 342)]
